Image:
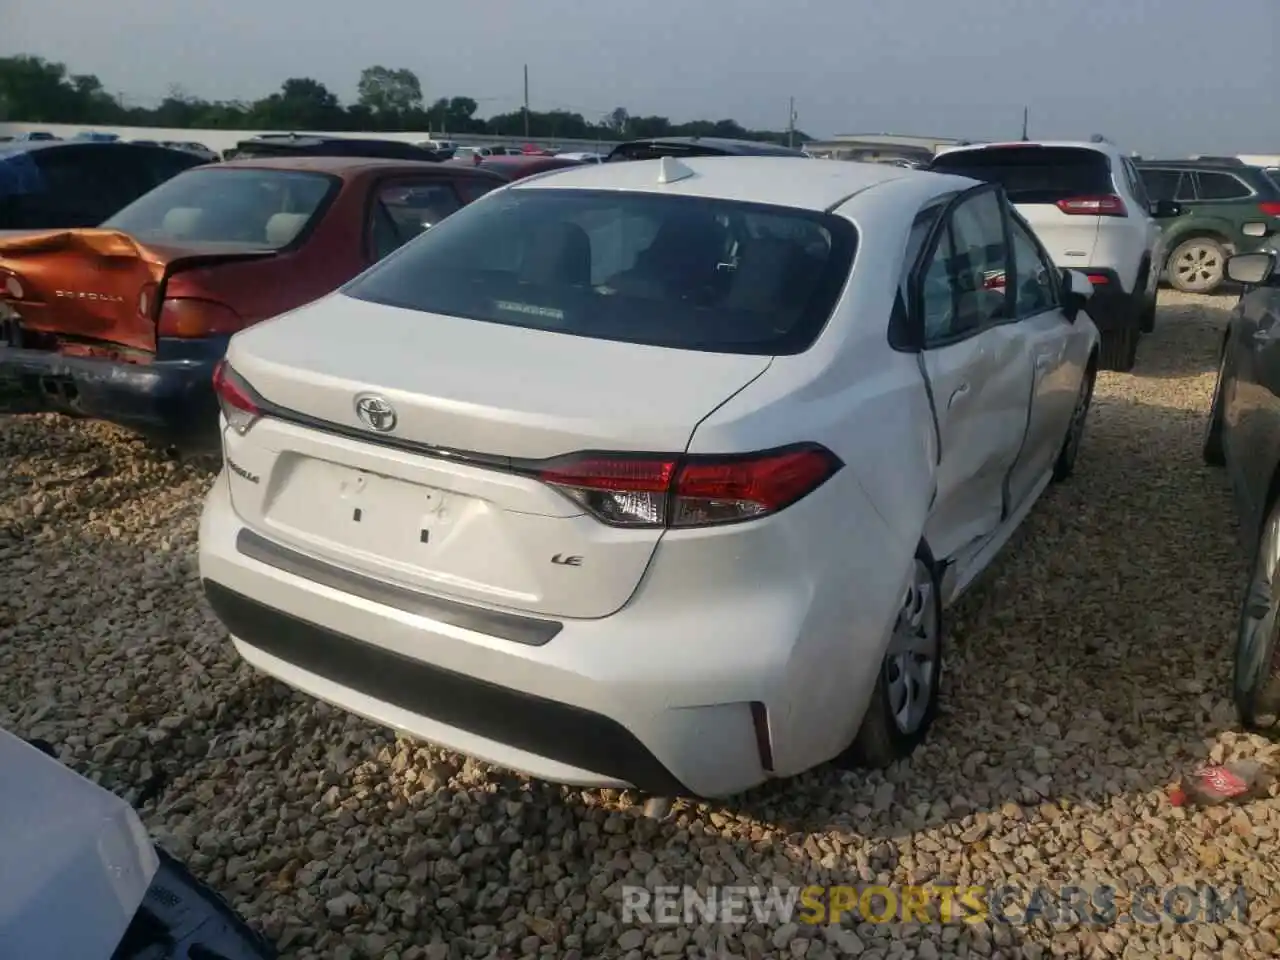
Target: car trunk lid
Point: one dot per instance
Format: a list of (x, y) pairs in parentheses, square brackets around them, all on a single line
[(448, 500), (97, 285)]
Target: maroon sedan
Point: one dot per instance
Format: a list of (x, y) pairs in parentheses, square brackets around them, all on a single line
[(126, 321)]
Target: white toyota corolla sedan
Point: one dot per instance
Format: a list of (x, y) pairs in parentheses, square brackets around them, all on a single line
[(656, 474)]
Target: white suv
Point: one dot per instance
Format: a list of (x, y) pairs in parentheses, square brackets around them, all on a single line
[(1087, 204)]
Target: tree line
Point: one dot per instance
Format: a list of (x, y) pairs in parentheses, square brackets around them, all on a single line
[(36, 90)]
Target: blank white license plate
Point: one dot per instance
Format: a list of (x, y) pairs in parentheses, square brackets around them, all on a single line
[(364, 511)]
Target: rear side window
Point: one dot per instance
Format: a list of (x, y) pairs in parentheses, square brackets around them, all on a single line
[(268, 209), (1221, 186), (642, 268), (1033, 174)]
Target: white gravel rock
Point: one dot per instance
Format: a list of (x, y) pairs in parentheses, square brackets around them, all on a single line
[(1088, 669)]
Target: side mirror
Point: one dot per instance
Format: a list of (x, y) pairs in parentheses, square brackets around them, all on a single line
[(1166, 209), (1076, 291), (1251, 269)]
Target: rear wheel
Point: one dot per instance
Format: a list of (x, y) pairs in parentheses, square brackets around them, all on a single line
[(905, 700), (1256, 686), (1118, 349), (1212, 449), (1198, 265)]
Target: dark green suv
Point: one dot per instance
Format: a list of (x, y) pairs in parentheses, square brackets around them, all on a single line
[(1229, 207)]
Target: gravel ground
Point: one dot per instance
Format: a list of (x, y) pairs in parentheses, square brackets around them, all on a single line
[(1087, 672)]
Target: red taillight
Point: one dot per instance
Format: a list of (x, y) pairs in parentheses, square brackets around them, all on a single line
[(1104, 206), (1098, 279), (187, 317), (1270, 207), (236, 398), (640, 491)]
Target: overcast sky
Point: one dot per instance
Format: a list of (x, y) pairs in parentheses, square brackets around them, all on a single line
[(1171, 76)]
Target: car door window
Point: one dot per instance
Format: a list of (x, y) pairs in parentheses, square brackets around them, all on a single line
[(963, 282), (384, 236), (404, 208), (1162, 184), (1221, 186), (1035, 288)]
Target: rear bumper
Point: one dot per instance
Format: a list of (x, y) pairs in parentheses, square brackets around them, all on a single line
[(170, 400), (658, 696), (532, 724)]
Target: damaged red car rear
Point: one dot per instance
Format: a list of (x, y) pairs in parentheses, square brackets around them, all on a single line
[(126, 321)]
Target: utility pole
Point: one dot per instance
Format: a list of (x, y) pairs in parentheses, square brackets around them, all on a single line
[(1024, 124), (526, 101), (791, 123)]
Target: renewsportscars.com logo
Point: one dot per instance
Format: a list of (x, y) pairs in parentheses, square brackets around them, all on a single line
[(1099, 905)]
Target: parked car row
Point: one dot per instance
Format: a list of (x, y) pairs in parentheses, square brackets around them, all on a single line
[(658, 474)]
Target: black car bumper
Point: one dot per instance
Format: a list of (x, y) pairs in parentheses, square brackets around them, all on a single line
[(546, 728), (1110, 307), (169, 400)]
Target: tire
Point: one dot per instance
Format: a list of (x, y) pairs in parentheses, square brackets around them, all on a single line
[(898, 718), (1256, 676), (1198, 265), (1147, 321), (1065, 465), (1212, 449), (1118, 349), (1147, 310)]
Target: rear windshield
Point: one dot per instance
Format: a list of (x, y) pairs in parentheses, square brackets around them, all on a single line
[(652, 151), (1033, 174), (261, 208), (643, 268)]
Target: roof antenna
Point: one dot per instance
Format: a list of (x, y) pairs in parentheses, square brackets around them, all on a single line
[(1024, 124), (671, 170)]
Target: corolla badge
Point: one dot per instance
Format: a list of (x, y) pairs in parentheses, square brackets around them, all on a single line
[(376, 412), (89, 295)]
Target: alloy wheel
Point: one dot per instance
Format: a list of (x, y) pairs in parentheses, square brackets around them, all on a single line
[(1199, 266), (911, 664)]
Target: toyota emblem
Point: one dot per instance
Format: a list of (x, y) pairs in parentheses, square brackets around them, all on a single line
[(375, 412)]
